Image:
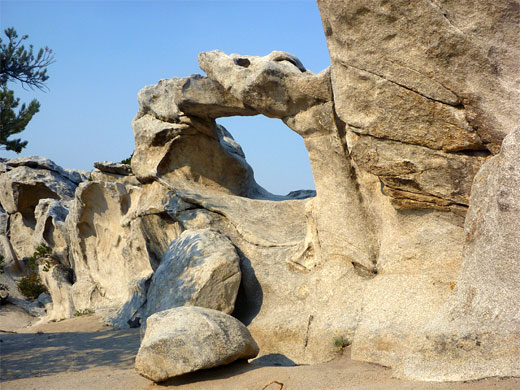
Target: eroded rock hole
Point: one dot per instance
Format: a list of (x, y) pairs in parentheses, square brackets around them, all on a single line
[(28, 198), (244, 62), (277, 155)]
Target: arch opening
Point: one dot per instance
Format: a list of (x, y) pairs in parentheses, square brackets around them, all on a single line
[(277, 155)]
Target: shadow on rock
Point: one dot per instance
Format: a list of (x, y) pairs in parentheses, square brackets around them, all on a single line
[(250, 295)]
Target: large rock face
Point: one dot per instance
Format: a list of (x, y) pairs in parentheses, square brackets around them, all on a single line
[(427, 91), (476, 334), (279, 86), (349, 245), (187, 339), (118, 234), (28, 180), (161, 129), (109, 258), (434, 81)]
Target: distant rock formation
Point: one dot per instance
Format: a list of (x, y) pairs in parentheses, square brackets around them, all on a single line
[(400, 132)]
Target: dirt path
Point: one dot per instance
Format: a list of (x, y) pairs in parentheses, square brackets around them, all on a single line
[(82, 354)]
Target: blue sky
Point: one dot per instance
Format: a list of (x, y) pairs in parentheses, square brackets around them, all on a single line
[(106, 51)]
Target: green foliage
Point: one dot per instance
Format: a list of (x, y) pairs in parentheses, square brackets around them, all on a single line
[(341, 342), (42, 250), (21, 64), (11, 122), (18, 63), (84, 312), (31, 285), (128, 160)]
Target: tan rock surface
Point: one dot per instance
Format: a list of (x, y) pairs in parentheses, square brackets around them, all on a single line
[(347, 245), (161, 130), (476, 334), (199, 268), (396, 130), (58, 280), (436, 74), (22, 187), (187, 339), (421, 96), (278, 85), (26, 182), (110, 259), (442, 180), (461, 54), (134, 219), (97, 175), (50, 228)]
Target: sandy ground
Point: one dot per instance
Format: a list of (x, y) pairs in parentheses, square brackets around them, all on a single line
[(82, 354)]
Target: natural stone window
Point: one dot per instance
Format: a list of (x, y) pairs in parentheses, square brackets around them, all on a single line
[(277, 154)]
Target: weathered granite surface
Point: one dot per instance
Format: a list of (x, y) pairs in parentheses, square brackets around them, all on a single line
[(187, 339), (476, 333), (408, 247)]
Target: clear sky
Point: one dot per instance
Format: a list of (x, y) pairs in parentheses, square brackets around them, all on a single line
[(106, 51)]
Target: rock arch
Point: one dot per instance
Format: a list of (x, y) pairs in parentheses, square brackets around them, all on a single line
[(382, 239), (379, 252), (178, 141)]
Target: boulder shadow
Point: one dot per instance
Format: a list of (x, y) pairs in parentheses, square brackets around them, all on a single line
[(250, 295), (211, 374), (230, 370), (273, 360)]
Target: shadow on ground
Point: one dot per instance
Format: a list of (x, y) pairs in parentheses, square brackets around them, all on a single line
[(38, 354), (230, 370), (212, 374)]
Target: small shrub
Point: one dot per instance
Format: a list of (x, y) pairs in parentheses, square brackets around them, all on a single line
[(341, 342), (31, 285), (84, 312), (42, 251), (128, 160)]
